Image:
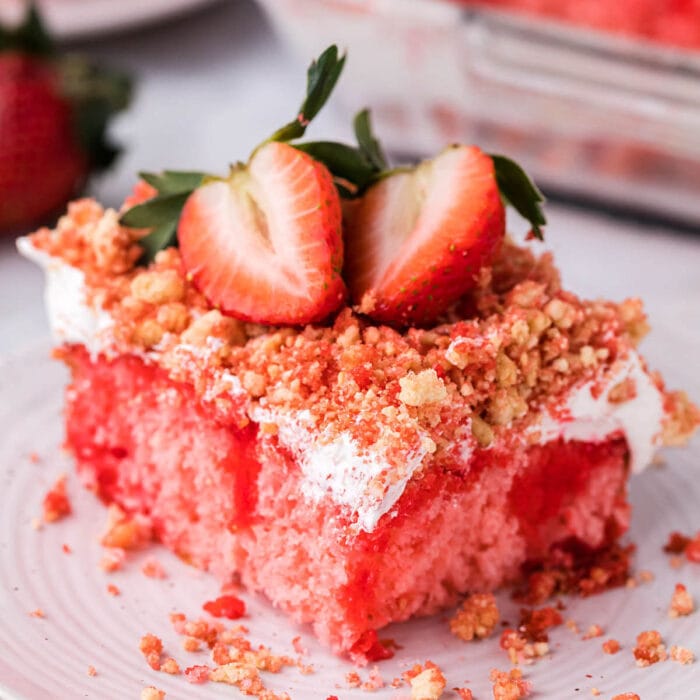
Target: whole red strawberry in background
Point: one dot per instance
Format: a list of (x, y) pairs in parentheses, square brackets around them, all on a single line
[(53, 115)]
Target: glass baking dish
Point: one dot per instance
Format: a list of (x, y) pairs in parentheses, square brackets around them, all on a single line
[(591, 115)]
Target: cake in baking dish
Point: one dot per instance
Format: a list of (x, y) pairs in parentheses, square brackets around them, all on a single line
[(362, 413)]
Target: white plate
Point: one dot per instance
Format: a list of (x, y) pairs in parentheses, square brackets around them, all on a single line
[(48, 658), (76, 19)]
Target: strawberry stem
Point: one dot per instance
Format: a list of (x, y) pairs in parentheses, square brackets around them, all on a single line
[(30, 36), (96, 94), (368, 144), (354, 168), (321, 78)]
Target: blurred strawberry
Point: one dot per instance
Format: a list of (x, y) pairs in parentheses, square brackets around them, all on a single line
[(54, 111)]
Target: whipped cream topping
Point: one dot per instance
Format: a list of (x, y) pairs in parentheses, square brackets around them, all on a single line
[(71, 318), (335, 466), (589, 414)]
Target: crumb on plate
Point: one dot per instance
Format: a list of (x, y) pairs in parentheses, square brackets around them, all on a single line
[(476, 618), (509, 685), (151, 647), (427, 681), (56, 504), (681, 603), (153, 569), (650, 648), (611, 646), (593, 631), (681, 655)]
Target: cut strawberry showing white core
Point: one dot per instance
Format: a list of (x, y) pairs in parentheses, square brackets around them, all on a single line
[(416, 239), (265, 245)]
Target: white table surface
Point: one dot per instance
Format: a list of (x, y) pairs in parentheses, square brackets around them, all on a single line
[(213, 84)]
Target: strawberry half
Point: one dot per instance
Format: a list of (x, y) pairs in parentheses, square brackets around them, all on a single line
[(416, 239), (265, 245)]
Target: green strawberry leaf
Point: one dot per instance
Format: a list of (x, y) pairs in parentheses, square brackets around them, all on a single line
[(155, 212), (347, 164), (96, 94), (520, 192), (368, 143), (321, 78), (354, 167), (28, 37), (161, 237), (173, 181), (161, 213)]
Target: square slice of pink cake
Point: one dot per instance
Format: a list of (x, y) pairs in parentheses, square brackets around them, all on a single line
[(354, 474)]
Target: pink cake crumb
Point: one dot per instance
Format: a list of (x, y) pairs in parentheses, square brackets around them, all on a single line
[(650, 648), (299, 647), (197, 674), (427, 681), (170, 666), (509, 685), (476, 618), (682, 602), (228, 606), (112, 560), (125, 531), (611, 646), (374, 680), (352, 678), (151, 647), (593, 632), (191, 644), (153, 569), (681, 655), (679, 543), (464, 693), (56, 504)]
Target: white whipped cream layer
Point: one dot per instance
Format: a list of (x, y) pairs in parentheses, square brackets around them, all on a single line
[(590, 416), (365, 481), (362, 480), (71, 318)]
